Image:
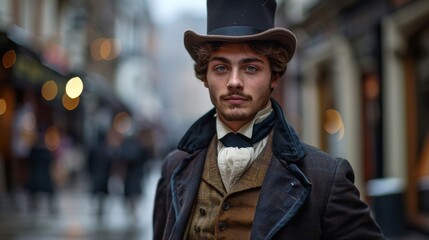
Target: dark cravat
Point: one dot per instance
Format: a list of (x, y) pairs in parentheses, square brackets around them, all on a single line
[(236, 140), (260, 131)]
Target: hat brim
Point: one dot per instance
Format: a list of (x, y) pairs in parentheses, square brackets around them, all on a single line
[(281, 35)]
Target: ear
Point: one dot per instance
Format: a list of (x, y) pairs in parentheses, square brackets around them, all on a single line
[(275, 79), (205, 83)]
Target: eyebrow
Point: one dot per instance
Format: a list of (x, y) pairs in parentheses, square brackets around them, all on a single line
[(250, 60), (220, 59), (245, 60)]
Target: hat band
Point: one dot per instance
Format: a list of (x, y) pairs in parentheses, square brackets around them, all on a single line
[(234, 31)]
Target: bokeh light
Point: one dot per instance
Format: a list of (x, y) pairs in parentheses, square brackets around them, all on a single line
[(29, 121), (122, 122), (70, 103), (49, 90), (105, 48), (74, 87), (52, 138), (334, 123), (3, 106), (9, 59)]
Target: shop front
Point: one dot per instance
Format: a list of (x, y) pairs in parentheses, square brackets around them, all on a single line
[(27, 105)]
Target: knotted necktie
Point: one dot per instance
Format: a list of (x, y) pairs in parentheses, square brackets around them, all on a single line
[(260, 131), (236, 140)]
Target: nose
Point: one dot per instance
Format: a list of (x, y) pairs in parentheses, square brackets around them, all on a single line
[(234, 80)]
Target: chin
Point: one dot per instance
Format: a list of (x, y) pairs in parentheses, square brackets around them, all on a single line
[(237, 115)]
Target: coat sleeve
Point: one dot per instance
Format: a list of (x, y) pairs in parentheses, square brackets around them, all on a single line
[(346, 216), (163, 217), (161, 206)]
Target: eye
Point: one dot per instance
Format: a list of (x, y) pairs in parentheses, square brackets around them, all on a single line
[(251, 69), (220, 68)]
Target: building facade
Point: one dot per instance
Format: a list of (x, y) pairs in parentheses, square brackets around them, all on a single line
[(359, 71)]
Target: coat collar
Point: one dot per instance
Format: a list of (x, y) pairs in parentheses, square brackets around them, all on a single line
[(286, 144)]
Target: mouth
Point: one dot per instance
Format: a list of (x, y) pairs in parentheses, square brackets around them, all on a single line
[(235, 99)]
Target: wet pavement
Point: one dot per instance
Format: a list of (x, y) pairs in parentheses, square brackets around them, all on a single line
[(76, 216)]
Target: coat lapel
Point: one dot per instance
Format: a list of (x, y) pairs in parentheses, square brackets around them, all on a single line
[(283, 192), (184, 187)]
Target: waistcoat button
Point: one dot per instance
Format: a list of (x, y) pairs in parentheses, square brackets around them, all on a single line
[(225, 206), (202, 212), (222, 226), (197, 229)]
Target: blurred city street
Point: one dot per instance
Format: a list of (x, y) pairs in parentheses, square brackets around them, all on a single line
[(77, 218), (91, 91)]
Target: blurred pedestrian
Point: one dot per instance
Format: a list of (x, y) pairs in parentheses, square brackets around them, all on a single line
[(40, 180), (103, 156), (134, 156), (240, 171)]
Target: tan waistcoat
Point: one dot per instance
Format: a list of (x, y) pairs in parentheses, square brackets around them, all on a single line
[(221, 215)]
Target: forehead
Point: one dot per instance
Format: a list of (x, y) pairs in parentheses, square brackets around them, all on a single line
[(236, 51)]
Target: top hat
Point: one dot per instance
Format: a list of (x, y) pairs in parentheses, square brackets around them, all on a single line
[(238, 21)]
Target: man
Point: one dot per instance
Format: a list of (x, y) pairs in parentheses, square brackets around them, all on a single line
[(240, 171)]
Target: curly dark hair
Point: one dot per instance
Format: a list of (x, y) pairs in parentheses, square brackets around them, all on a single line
[(277, 56)]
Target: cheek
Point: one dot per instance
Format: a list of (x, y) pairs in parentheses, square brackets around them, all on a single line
[(215, 84)]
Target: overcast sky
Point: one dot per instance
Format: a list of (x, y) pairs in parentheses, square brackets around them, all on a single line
[(167, 10)]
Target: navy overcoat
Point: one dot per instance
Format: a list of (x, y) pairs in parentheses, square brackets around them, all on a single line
[(306, 194)]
